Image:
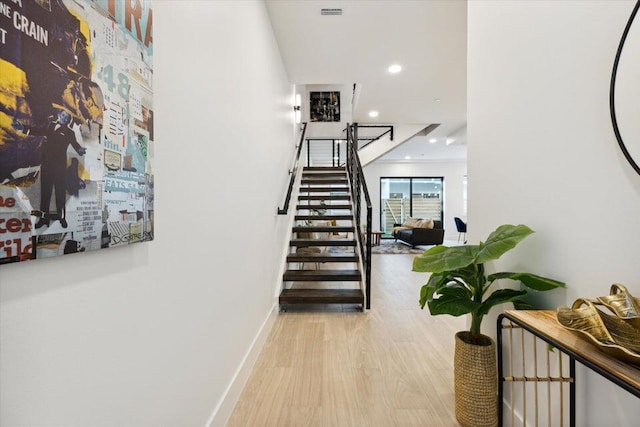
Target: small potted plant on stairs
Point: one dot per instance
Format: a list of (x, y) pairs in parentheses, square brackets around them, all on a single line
[(459, 285)]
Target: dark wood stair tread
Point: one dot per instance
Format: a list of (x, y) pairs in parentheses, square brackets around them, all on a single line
[(322, 242), (324, 217), (324, 189), (325, 197), (324, 229), (324, 177), (323, 168), (327, 257), (324, 174), (323, 207), (321, 296), (323, 181), (322, 275)]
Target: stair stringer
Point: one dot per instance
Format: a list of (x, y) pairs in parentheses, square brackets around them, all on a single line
[(357, 247)]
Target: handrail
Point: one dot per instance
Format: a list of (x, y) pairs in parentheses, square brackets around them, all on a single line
[(293, 173), (375, 138), (388, 131), (359, 189)]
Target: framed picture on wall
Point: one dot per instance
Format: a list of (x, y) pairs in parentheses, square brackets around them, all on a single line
[(325, 106), (76, 126)]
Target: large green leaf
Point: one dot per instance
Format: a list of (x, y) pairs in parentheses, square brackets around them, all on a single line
[(437, 282), (455, 301), (503, 239), (443, 258), (499, 297), (470, 274), (427, 291), (532, 281)]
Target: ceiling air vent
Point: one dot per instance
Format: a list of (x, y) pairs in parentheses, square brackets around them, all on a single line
[(330, 11)]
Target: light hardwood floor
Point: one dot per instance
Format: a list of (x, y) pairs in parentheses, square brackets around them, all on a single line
[(391, 366)]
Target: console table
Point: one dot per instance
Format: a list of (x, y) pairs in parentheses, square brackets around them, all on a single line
[(543, 325)]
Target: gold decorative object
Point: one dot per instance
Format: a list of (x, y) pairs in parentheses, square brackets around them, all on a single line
[(612, 335), (622, 304)]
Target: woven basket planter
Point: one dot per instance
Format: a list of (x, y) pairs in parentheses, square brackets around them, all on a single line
[(476, 382)]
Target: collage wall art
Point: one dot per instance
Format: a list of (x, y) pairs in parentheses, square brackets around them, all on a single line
[(76, 126)]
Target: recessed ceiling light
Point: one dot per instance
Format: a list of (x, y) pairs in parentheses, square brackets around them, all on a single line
[(407, 157), (433, 140), (395, 68), (373, 114)]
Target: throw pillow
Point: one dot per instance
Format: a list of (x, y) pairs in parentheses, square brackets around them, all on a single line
[(425, 223), (410, 222)]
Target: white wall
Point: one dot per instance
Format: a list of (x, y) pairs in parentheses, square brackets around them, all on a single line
[(401, 133), (542, 152), (152, 334), (453, 173)]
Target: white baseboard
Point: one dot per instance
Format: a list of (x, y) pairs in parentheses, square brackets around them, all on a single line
[(231, 395)]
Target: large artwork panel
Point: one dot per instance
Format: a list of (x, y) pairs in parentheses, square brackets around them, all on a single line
[(76, 126)]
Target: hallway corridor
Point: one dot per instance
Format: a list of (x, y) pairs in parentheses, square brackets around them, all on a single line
[(392, 366)]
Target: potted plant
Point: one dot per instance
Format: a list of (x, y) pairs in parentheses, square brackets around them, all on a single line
[(459, 285)]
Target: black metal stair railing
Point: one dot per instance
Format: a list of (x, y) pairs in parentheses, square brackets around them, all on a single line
[(373, 139), (337, 152), (334, 158), (293, 172), (358, 192)]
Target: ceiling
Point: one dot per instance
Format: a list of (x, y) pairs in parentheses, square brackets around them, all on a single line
[(426, 37)]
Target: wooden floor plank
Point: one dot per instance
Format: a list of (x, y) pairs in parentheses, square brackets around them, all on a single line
[(391, 366)]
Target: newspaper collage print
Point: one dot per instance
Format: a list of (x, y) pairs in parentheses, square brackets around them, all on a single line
[(76, 126)]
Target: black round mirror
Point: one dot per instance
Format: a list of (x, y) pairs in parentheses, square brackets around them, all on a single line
[(624, 99)]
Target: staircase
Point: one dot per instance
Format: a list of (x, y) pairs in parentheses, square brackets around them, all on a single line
[(316, 273)]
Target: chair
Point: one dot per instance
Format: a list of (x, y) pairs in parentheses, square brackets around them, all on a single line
[(461, 226), (307, 250), (313, 250)]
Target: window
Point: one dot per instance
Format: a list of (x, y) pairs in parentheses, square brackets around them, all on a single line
[(401, 198)]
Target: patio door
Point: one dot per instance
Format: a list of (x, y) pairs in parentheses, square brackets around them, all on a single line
[(402, 197)]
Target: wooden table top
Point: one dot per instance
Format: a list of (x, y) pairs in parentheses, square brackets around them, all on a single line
[(545, 324)]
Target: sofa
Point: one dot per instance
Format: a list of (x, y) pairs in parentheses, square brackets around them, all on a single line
[(418, 231)]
